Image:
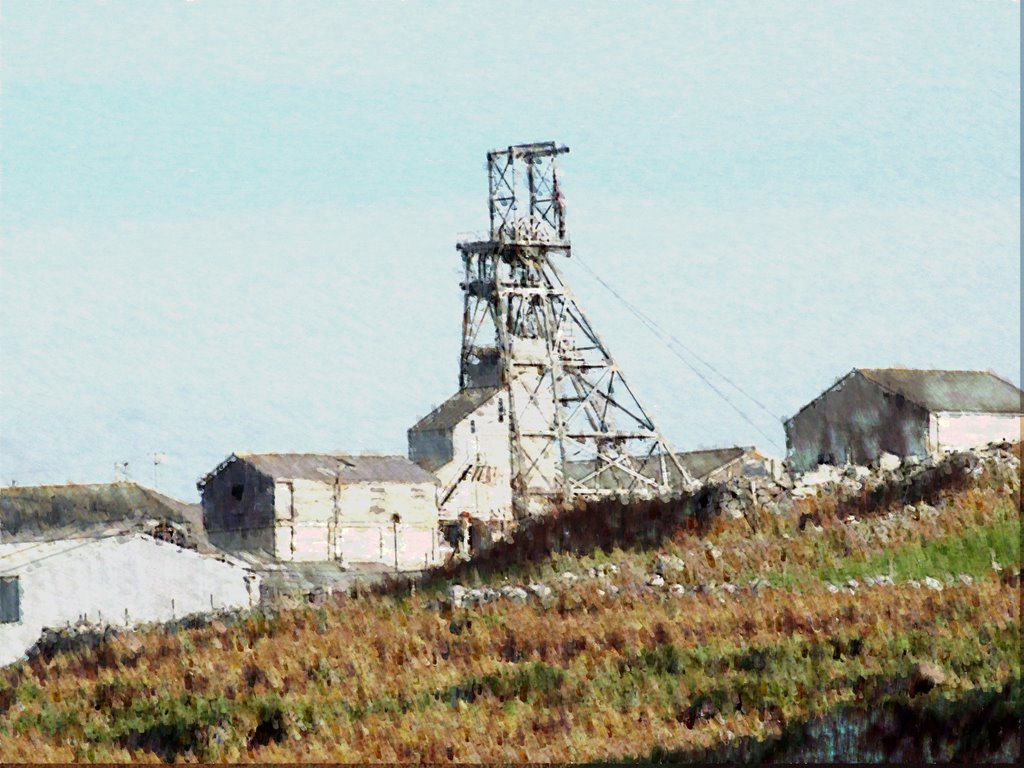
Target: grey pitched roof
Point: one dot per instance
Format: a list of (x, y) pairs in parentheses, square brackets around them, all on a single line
[(28, 512), (969, 391), (455, 409), (701, 463), (349, 468)]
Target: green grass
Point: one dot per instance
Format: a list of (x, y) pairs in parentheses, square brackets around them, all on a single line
[(970, 553)]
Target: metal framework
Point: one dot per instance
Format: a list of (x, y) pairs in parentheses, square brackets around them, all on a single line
[(576, 428)]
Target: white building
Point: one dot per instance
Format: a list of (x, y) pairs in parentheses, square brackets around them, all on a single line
[(465, 443), (123, 580), (351, 509)]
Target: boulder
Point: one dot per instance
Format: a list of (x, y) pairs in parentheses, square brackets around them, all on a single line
[(669, 565), (856, 472), (825, 473), (515, 594), (543, 591), (888, 462)]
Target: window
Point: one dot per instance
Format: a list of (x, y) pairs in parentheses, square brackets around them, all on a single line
[(452, 533), (10, 599), (237, 491), (472, 427), (501, 409)]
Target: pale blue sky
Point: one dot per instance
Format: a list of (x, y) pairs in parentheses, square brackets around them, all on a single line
[(231, 226)]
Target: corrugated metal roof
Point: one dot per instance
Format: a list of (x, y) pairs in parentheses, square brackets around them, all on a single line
[(347, 467), (703, 463), (28, 512), (699, 464), (968, 391), (455, 409)]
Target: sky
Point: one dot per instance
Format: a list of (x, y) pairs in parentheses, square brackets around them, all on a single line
[(230, 226)]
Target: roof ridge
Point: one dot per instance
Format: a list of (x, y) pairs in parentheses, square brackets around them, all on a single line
[(987, 371)]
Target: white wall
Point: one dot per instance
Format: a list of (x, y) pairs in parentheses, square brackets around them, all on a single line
[(101, 579), (368, 532), (481, 440), (353, 523), (956, 431)]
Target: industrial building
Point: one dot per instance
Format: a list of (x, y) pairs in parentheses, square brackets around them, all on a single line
[(110, 581), (465, 444), (349, 509), (905, 412)]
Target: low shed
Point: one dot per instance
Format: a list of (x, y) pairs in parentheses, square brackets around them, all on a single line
[(353, 509), (113, 580)]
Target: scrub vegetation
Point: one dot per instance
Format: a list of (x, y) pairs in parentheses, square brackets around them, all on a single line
[(833, 625)]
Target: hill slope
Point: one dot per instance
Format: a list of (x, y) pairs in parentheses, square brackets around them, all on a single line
[(725, 634)]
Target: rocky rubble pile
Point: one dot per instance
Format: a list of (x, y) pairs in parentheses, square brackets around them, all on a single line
[(546, 594), (739, 496), (889, 476)]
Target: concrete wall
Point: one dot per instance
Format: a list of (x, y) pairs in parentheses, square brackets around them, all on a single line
[(355, 523), (957, 431), (388, 523), (479, 448), (304, 512), (63, 581), (239, 509), (855, 421)]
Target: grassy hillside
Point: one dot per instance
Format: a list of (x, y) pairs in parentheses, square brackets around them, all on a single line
[(730, 635)]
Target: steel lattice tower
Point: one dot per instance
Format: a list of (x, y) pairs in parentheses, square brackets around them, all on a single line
[(576, 429)]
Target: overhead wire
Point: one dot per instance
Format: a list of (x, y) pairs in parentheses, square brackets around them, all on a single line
[(662, 335)]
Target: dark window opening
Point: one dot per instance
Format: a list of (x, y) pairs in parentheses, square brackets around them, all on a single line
[(452, 533), (10, 599), (237, 491), (501, 409), (472, 427)]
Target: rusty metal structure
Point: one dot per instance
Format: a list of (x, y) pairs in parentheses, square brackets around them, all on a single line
[(576, 428)]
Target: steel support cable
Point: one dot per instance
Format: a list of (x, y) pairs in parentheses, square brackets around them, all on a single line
[(725, 378), (664, 337)]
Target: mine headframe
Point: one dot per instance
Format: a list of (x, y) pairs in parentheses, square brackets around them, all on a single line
[(576, 428)]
